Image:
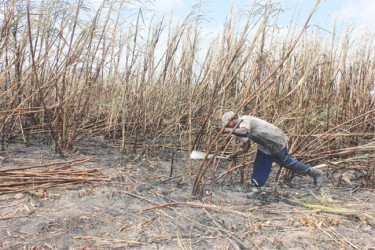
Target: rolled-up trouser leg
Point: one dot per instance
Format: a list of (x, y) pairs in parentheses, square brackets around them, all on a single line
[(262, 168), (283, 158)]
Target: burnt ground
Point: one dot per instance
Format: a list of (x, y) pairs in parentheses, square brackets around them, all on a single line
[(142, 207)]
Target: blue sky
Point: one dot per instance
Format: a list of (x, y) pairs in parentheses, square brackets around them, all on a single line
[(359, 13)]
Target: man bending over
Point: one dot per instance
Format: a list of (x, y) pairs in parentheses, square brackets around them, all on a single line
[(272, 148)]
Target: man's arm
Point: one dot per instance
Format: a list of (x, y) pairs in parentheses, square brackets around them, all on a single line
[(242, 132), (244, 148)]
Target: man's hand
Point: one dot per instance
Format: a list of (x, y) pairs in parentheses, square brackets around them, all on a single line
[(216, 127), (244, 148), (232, 157)]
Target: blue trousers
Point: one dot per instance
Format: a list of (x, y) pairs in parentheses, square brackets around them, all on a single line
[(263, 164)]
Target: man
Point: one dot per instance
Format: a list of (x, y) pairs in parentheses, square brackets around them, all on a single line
[(272, 148)]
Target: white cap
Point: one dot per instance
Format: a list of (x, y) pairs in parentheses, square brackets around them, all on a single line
[(226, 116)]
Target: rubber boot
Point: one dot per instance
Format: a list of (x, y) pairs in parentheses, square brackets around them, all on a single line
[(317, 175)]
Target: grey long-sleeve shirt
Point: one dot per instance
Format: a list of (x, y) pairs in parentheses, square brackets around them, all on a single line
[(270, 138)]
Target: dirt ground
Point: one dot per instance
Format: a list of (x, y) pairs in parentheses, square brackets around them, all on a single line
[(142, 207)]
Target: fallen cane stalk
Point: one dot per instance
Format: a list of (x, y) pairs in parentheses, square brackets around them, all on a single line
[(333, 210), (205, 206), (193, 204), (16, 180), (130, 242), (70, 163)]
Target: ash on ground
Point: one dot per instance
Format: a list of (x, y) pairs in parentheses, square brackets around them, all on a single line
[(144, 207)]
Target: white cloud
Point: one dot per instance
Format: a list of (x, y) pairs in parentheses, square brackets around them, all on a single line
[(359, 12), (167, 5)]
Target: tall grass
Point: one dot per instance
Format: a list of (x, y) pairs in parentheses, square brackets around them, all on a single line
[(69, 72)]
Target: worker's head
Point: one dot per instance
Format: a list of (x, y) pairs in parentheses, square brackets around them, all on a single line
[(229, 116)]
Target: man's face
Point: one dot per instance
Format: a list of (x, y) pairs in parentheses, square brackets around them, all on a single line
[(232, 123)]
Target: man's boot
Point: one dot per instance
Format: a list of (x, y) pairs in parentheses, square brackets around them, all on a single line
[(254, 194), (317, 175)]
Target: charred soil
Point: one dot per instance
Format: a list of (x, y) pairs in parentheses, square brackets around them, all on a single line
[(138, 202)]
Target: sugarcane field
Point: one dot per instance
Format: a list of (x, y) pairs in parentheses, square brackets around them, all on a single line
[(122, 127)]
